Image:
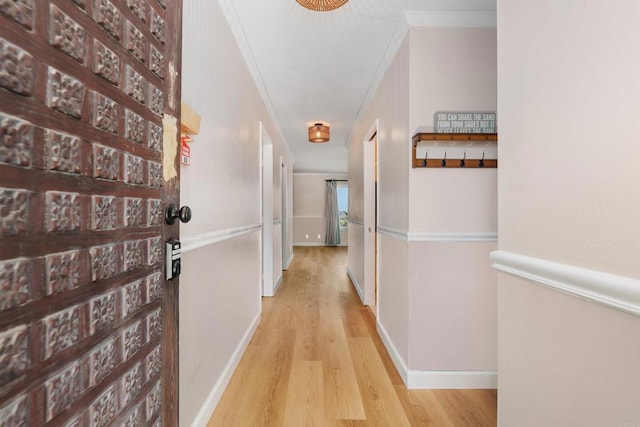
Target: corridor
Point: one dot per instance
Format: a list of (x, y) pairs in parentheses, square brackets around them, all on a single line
[(316, 360)]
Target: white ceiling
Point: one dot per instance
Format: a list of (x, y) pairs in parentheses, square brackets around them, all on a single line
[(325, 66)]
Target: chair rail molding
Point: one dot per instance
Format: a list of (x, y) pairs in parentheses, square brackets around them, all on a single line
[(198, 241), (393, 232), (618, 292), (427, 236), (421, 236)]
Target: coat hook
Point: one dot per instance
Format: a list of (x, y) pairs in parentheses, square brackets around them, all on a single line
[(481, 162), (462, 161), (424, 162), (443, 163)]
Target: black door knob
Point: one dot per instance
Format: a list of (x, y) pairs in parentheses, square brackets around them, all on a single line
[(173, 212)]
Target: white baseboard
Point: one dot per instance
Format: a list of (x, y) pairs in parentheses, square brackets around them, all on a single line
[(288, 263), (452, 380), (309, 244), (317, 244), (209, 405), (356, 285), (277, 284), (436, 379), (401, 367)]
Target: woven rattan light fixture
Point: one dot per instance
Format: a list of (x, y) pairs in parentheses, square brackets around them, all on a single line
[(319, 133), (322, 5)]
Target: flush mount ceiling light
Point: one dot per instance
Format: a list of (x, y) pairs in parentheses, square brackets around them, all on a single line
[(319, 133), (322, 5)]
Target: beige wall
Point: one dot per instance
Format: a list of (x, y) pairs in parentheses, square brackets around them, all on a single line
[(453, 69), (309, 197), (453, 307), (582, 91), (568, 186), (220, 286), (390, 106), (564, 361), (436, 301), (453, 288)]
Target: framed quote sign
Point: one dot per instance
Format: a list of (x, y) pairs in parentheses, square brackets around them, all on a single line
[(464, 122)]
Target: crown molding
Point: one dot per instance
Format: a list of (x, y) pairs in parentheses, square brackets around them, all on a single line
[(400, 33), (465, 19), (233, 20)]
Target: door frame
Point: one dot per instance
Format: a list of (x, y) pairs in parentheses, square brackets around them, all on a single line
[(285, 212), (266, 210), (370, 205)]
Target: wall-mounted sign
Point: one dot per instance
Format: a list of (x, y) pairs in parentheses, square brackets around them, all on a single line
[(185, 150), (464, 122)]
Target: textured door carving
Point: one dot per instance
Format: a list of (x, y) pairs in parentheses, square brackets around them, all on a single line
[(87, 323)]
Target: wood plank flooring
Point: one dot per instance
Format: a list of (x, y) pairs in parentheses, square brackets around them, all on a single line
[(316, 360)]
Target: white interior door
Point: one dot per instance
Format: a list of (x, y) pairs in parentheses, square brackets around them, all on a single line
[(369, 190), (267, 213), (285, 216)]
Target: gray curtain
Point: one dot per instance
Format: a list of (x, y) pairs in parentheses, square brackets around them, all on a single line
[(333, 224)]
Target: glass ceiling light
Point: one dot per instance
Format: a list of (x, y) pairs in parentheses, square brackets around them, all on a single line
[(322, 5), (319, 133)]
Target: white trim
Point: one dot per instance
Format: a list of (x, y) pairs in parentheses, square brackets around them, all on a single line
[(288, 263), (277, 222), (329, 175), (436, 379), (392, 232), (373, 131), (209, 405), (205, 239), (355, 284), (421, 236), (308, 216), (233, 19), (318, 244), (277, 284), (445, 380), (619, 292), (397, 360), (466, 19)]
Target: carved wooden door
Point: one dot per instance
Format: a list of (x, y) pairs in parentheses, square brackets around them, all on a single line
[(89, 99)]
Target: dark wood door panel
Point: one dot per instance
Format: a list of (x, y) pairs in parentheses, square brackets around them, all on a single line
[(87, 321)]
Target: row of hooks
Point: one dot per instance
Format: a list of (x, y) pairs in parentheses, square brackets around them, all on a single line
[(487, 140), (443, 162), (455, 163)]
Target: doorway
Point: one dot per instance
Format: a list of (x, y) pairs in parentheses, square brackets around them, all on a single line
[(342, 191), (284, 191), (370, 193), (266, 208)]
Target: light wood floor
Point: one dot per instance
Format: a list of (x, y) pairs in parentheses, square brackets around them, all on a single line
[(316, 360)]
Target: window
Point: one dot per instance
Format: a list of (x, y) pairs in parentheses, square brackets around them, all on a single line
[(343, 205)]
